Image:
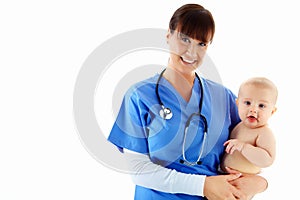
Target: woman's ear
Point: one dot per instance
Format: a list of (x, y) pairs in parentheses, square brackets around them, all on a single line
[(168, 35)]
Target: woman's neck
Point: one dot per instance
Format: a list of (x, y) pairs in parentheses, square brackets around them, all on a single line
[(182, 82)]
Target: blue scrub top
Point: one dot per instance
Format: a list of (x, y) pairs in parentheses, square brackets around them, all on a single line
[(140, 128)]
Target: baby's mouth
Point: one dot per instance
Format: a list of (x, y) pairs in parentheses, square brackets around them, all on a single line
[(251, 118)]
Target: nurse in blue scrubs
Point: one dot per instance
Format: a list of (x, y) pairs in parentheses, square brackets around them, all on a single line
[(171, 127)]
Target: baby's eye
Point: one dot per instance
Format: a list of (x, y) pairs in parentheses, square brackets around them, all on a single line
[(248, 103), (261, 105)]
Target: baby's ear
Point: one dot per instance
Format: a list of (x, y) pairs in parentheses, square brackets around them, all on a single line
[(274, 110), (237, 101)]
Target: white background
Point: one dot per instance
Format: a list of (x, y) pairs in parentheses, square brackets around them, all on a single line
[(43, 46)]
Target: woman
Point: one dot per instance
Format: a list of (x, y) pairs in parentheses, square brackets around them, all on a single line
[(172, 126)]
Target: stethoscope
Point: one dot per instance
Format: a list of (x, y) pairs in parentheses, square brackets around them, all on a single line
[(166, 113)]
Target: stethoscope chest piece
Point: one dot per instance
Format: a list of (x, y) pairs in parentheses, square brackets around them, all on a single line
[(165, 113)]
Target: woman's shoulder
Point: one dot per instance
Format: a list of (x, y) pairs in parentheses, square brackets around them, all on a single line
[(217, 86), (148, 82), (143, 86)]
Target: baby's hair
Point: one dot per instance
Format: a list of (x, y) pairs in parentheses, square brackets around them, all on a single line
[(261, 82)]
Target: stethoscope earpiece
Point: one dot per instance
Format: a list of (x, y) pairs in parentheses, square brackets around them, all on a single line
[(165, 113)]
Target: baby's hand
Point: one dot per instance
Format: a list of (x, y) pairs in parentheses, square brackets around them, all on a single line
[(232, 171), (233, 145)]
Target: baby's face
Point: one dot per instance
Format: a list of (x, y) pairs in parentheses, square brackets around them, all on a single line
[(256, 105)]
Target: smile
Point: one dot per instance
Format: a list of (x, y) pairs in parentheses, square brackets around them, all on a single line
[(188, 61)]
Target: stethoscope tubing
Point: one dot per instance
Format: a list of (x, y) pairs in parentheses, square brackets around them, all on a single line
[(166, 113)]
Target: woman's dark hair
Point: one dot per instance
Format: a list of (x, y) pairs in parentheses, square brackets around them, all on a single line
[(194, 21)]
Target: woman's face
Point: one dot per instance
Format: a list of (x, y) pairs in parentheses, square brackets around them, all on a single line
[(186, 54)]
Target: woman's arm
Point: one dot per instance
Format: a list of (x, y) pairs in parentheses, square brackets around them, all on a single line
[(148, 174)]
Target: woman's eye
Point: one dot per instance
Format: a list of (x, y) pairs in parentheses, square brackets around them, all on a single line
[(202, 44), (186, 40)]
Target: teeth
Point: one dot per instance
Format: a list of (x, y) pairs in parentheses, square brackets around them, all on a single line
[(188, 61)]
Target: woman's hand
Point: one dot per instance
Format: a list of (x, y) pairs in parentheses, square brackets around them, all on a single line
[(220, 187), (249, 185)]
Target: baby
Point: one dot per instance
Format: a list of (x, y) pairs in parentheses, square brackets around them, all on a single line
[(252, 144)]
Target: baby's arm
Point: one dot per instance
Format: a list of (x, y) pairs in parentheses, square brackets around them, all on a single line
[(262, 154), (234, 145)]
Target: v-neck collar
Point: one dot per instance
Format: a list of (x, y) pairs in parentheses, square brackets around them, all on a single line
[(193, 102)]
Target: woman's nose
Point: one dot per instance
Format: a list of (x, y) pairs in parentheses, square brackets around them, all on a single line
[(192, 50)]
